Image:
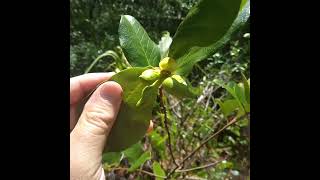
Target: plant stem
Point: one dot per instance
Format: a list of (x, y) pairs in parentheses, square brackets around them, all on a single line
[(178, 171), (201, 167), (164, 111), (113, 54)]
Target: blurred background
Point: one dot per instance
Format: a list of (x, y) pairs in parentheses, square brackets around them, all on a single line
[(94, 30)]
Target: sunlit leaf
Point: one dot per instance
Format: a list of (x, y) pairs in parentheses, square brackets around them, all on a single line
[(139, 49), (142, 159), (157, 170), (132, 121)]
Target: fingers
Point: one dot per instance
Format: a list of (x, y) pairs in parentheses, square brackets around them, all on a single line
[(98, 116), (80, 86)]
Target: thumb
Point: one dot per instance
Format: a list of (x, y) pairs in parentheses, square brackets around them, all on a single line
[(88, 137), (98, 116)]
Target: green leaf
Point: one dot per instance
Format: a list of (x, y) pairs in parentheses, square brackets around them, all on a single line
[(111, 158), (178, 87), (246, 107), (157, 140), (240, 93), (228, 106), (158, 143), (133, 152), (236, 130), (206, 23), (142, 159), (157, 170), (246, 84), (243, 123), (225, 165), (149, 92), (241, 96), (139, 49), (132, 122), (164, 44), (237, 93), (198, 51)]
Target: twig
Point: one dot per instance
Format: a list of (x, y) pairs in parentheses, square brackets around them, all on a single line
[(178, 171), (142, 171), (194, 178), (201, 167), (164, 111), (203, 143)]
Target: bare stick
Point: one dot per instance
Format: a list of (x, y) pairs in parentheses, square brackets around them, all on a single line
[(178, 171), (164, 111), (201, 167)]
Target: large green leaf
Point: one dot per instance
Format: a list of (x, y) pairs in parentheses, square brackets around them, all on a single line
[(132, 121), (205, 24), (139, 49), (157, 170), (188, 55), (142, 159)]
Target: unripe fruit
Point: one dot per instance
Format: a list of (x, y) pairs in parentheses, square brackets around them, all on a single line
[(150, 74), (178, 87), (168, 64)]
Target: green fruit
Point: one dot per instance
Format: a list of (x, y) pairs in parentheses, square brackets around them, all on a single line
[(178, 87), (168, 64), (150, 74)]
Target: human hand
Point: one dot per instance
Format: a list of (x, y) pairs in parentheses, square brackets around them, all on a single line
[(90, 131)]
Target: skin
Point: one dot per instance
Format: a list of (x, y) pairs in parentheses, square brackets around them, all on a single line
[(90, 128)]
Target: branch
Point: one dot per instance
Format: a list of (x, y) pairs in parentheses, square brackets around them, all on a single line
[(200, 167), (178, 171), (203, 143), (164, 111)]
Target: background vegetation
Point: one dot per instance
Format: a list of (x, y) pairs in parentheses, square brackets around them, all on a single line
[(94, 30)]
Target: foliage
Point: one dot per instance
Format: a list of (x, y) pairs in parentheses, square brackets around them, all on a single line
[(191, 120), (187, 48), (94, 26)]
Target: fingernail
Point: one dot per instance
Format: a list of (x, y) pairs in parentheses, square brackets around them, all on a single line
[(111, 91)]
